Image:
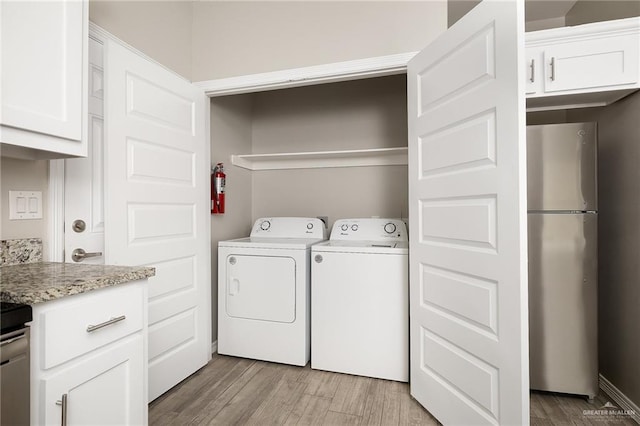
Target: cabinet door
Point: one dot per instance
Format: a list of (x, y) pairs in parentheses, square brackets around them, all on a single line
[(106, 388), (42, 67), (590, 64)]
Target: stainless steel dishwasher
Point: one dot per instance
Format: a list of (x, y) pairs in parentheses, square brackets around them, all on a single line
[(14, 364)]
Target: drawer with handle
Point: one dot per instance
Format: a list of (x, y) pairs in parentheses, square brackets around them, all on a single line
[(87, 321)]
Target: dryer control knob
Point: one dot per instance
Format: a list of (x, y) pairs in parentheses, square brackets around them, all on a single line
[(344, 227), (232, 260), (354, 227), (265, 225), (390, 228), (318, 258), (309, 225)]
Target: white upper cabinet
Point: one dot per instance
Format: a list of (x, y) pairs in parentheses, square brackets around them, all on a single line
[(44, 47), (586, 65)]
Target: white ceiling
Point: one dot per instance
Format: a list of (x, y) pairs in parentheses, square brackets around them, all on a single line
[(536, 10)]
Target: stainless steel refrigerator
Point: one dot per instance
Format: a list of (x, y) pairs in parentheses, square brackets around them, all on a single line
[(563, 257)]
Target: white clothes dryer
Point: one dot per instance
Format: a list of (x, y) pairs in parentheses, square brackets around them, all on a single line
[(263, 290), (360, 300)]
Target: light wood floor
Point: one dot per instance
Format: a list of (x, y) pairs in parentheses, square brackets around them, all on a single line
[(237, 391)]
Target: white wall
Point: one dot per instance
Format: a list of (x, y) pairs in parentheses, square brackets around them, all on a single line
[(368, 113), (231, 129), (586, 11), (619, 240), (23, 175), (247, 37), (160, 29), (359, 114)]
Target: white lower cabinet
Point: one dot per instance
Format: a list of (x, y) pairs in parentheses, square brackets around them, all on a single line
[(104, 389), (103, 380)]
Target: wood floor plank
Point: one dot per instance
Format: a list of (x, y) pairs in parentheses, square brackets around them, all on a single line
[(351, 394), (239, 391), (535, 404), (294, 373), (322, 383), (411, 412), (276, 409), (374, 404), (220, 377), (309, 410), (540, 421), (208, 413), (246, 401), (334, 418), (391, 405), (552, 409)]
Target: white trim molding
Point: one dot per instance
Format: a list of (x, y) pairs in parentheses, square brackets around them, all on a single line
[(296, 77), (101, 35), (583, 32), (620, 398)]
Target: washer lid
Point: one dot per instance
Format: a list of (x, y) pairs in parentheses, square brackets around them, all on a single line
[(375, 247), (271, 243)]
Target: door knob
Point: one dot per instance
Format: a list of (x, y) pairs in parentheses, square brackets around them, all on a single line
[(78, 255), (78, 225)]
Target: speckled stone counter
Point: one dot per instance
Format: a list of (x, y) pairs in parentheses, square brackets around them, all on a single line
[(32, 283), (25, 250)]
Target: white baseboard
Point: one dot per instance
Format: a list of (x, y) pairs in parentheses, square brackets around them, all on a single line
[(621, 399), (214, 347)]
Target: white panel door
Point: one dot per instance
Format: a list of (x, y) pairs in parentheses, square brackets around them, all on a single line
[(84, 177), (468, 223), (157, 205)]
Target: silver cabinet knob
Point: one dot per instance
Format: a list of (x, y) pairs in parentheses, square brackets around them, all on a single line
[(78, 255)]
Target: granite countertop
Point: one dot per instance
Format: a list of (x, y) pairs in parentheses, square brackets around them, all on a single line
[(38, 282)]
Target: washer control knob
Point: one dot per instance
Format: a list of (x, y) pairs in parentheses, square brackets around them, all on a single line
[(318, 258), (265, 225), (354, 227), (309, 225), (390, 228), (232, 260), (344, 227)]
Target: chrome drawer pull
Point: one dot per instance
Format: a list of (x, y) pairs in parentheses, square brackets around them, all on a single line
[(63, 403), (91, 328), (533, 75)]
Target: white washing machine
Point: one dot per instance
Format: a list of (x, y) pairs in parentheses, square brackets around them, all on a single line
[(263, 290), (360, 300)]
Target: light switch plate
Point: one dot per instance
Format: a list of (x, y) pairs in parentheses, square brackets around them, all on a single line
[(25, 205)]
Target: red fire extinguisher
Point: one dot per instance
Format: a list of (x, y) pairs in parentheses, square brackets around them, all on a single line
[(218, 178)]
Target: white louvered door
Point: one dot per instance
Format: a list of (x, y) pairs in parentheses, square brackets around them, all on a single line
[(468, 222), (157, 205)]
